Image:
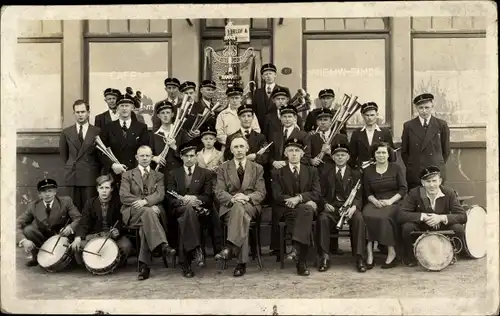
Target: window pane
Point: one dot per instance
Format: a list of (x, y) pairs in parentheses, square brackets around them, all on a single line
[(39, 70), (353, 67), (454, 71), (142, 66)]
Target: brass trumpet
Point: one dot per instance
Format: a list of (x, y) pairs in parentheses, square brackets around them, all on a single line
[(301, 101), (248, 93), (348, 203), (201, 119)]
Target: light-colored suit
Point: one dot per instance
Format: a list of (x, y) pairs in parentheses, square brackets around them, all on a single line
[(214, 161), (239, 215), (152, 229)]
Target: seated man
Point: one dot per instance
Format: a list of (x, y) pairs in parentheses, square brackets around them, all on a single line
[(194, 185), (296, 190), (142, 191), (44, 218), (99, 215), (336, 186), (240, 189), (429, 207)]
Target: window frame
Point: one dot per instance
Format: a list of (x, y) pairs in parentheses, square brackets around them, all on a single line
[(442, 35), (354, 35), (50, 40)]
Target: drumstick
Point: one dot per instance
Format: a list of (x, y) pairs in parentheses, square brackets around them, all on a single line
[(59, 238), (40, 248), (107, 237), (92, 253)]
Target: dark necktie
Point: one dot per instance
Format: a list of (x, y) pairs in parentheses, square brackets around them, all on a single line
[(80, 134), (269, 91), (124, 129), (145, 176), (48, 209), (247, 133), (339, 175), (295, 172), (240, 171), (285, 134), (190, 173), (425, 124)]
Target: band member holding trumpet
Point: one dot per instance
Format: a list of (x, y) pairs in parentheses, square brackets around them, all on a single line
[(297, 192), (163, 137), (228, 121), (172, 88), (44, 218), (362, 138), (207, 91), (256, 141), (188, 90), (341, 203), (239, 189), (142, 192), (326, 98), (189, 192), (123, 137), (430, 207), (98, 216), (262, 100), (111, 97)]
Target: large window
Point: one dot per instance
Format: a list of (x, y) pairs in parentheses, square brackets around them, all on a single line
[(454, 71), (349, 66), (141, 65), (39, 81)]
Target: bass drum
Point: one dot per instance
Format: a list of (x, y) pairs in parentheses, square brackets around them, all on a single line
[(475, 232), (433, 251)]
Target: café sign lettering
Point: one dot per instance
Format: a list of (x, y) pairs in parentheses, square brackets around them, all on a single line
[(241, 32)]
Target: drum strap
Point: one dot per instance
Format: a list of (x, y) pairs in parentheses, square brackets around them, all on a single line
[(425, 199)]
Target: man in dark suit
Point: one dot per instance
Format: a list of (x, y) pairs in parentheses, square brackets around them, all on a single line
[(317, 143), (44, 218), (371, 133), (172, 88), (262, 99), (239, 189), (100, 216), (326, 97), (256, 141), (425, 141), (297, 192), (80, 156), (430, 207), (142, 191), (123, 136), (336, 186), (194, 185), (111, 97)]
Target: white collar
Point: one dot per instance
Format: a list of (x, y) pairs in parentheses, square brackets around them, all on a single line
[(438, 195), (50, 203), (186, 169), (142, 169), (127, 121), (237, 163), (377, 128), (289, 129), (271, 85), (292, 166), (422, 120), (162, 130), (111, 112), (243, 130)]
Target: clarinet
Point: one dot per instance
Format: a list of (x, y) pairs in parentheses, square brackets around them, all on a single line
[(347, 205)]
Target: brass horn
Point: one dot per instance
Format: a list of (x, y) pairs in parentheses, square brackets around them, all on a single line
[(301, 101)]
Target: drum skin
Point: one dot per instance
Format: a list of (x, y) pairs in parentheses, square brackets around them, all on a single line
[(433, 251), (475, 232), (109, 259), (59, 259)]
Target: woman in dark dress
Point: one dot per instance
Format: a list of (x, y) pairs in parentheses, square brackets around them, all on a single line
[(385, 185)]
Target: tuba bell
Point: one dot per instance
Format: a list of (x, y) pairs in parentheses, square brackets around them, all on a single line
[(301, 101)]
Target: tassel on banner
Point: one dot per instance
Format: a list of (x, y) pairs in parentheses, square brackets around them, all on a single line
[(207, 69)]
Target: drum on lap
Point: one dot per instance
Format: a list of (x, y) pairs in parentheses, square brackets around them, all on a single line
[(101, 255), (55, 254), (475, 233)]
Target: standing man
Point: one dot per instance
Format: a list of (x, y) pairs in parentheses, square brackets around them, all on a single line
[(228, 121), (240, 189), (172, 88), (262, 99), (280, 97), (44, 218), (326, 97), (194, 185), (111, 97), (425, 141), (123, 136), (80, 156), (142, 192), (189, 88), (362, 138), (297, 192), (207, 91)]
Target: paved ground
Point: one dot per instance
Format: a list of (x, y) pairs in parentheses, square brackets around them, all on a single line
[(467, 278)]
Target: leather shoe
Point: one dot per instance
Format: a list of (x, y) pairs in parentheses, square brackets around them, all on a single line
[(224, 254), (199, 257), (143, 272), (167, 250), (302, 269), (324, 264), (337, 252), (360, 265), (410, 262), (31, 263), (274, 253), (370, 266), (187, 271), (240, 270), (392, 264), (292, 255)]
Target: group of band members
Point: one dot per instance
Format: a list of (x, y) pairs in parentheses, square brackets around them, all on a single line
[(225, 171)]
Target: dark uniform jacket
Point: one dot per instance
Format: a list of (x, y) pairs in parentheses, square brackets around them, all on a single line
[(200, 186), (262, 104), (360, 148), (310, 124), (256, 141), (92, 221), (277, 150), (284, 184), (421, 148), (315, 143), (330, 192), (104, 118), (273, 124), (173, 159)]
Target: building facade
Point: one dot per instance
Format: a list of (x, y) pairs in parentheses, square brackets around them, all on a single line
[(386, 60)]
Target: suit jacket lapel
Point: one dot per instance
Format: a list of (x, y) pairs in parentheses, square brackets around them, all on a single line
[(55, 212), (233, 175), (136, 175), (425, 200), (88, 141), (432, 129), (364, 138), (346, 180), (417, 128), (378, 136), (246, 177), (303, 178), (194, 179), (440, 205), (73, 137), (181, 180), (98, 211)]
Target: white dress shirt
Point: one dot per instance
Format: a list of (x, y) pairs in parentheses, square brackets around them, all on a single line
[(114, 116), (142, 169), (272, 85), (433, 203), (422, 120), (49, 204), (228, 123), (127, 122), (243, 163), (186, 169), (288, 131), (342, 171), (85, 128), (369, 133), (297, 166)]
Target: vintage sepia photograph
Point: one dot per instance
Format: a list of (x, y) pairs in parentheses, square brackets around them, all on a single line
[(300, 158)]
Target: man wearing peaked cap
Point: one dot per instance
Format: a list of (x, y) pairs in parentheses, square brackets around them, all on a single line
[(256, 141), (45, 217), (362, 138), (297, 192), (337, 182), (172, 86), (111, 97), (326, 98), (228, 121), (430, 206), (425, 140)]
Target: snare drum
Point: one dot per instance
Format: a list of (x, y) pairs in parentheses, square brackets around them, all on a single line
[(106, 260), (57, 260), (475, 232), (433, 251)]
